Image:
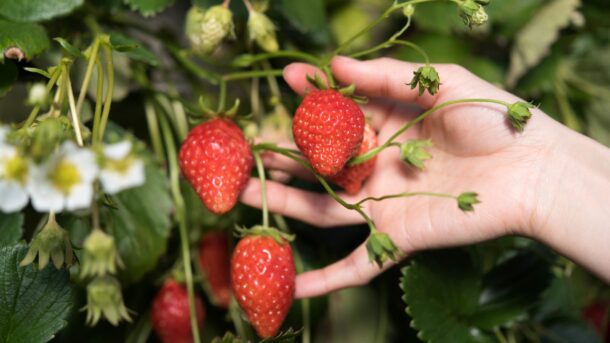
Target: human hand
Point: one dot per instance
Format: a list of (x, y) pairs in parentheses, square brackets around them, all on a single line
[(475, 149)]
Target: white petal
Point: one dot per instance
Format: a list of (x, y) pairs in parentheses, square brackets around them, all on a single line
[(6, 152), (67, 148), (13, 197), (84, 160), (117, 151), (80, 196), (44, 196), (114, 182), (3, 132)]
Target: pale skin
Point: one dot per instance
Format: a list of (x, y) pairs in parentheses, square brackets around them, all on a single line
[(548, 182)]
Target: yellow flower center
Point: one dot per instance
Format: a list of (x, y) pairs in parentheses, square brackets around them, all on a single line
[(16, 169), (120, 166), (64, 176)]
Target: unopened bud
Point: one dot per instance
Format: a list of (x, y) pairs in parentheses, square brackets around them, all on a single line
[(262, 30), (206, 29)]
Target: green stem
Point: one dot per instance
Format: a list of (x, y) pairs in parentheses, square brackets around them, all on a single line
[(109, 92), (298, 55), (99, 94), (255, 99), (385, 44), (405, 195), (181, 57), (273, 85), (88, 74), (371, 153), (414, 47), (222, 95), (251, 74), (75, 114), (153, 129), (182, 224), (261, 175), (52, 81)]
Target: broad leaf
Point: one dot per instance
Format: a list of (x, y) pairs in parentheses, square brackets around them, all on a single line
[(8, 76), (28, 39), (11, 226), (136, 51), (149, 7), (36, 10), (442, 292), (33, 304), (140, 223), (535, 38), (307, 17)]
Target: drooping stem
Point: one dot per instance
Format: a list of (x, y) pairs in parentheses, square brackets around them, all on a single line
[(414, 47), (297, 55), (109, 93), (74, 111), (261, 175), (182, 224), (371, 153), (252, 74), (405, 195), (88, 73), (153, 130), (99, 94), (388, 43), (222, 95), (273, 85)]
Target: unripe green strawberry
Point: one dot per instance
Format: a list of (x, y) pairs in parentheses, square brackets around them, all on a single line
[(262, 30), (170, 314), (214, 260), (263, 275), (328, 129), (352, 177), (205, 29), (216, 159)]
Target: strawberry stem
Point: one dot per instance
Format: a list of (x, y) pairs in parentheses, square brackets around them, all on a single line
[(182, 224), (390, 142), (34, 113), (261, 175)]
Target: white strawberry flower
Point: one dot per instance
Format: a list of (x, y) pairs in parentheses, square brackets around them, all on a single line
[(13, 175), (64, 181), (121, 169)]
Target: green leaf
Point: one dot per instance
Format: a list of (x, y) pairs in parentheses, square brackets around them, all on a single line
[(512, 288), (307, 17), (229, 337), (69, 48), (33, 304), (36, 10), (288, 336), (442, 290), (11, 227), (136, 50), (535, 38), (29, 39), (8, 76), (149, 7), (140, 223)]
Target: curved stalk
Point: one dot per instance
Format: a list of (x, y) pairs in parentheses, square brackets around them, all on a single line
[(34, 113), (182, 224), (92, 59), (297, 55), (261, 175), (109, 92), (371, 153)]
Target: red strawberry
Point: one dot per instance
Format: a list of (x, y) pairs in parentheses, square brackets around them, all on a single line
[(263, 274), (216, 159), (170, 313), (214, 260), (328, 129), (597, 314), (351, 177)]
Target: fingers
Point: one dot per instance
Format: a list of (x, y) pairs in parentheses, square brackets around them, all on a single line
[(387, 78), (354, 270), (313, 208)]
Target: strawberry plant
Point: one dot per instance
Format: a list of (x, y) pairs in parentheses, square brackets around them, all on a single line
[(130, 130)]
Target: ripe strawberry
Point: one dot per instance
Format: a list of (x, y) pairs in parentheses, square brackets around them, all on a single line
[(351, 177), (328, 129), (170, 313), (263, 274), (214, 260), (216, 159)]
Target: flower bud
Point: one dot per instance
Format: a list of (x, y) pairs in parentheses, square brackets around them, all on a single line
[(519, 113), (52, 242), (104, 299), (100, 256), (473, 13), (426, 78), (206, 29), (37, 95), (414, 152), (262, 30), (466, 200), (408, 10), (380, 248)]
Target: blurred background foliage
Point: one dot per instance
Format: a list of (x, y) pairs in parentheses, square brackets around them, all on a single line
[(555, 53)]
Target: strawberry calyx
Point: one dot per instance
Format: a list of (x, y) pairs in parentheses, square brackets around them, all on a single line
[(260, 230), (347, 91), (222, 113)]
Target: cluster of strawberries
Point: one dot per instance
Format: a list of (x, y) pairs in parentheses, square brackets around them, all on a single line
[(329, 128)]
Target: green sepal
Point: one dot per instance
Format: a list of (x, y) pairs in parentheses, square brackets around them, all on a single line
[(426, 77), (413, 152), (466, 201), (316, 81), (380, 248), (53, 244), (519, 113), (259, 230)]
